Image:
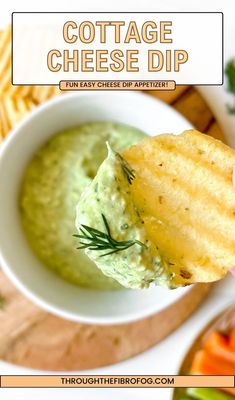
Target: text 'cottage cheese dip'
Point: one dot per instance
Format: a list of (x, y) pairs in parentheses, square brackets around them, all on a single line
[(53, 182)]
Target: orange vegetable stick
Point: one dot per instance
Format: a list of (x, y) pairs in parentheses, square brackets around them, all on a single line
[(232, 339), (206, 364), (200, 365), (229, 390), (218, 346)]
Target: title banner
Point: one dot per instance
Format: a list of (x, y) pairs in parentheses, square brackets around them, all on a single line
[(184, 48)]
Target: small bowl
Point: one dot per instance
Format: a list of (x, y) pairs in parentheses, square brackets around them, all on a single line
[(37, 282)]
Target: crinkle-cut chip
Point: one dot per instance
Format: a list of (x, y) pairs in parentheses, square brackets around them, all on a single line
[(1, 131), (37, 93), (16, 101), (5, 59), (5, 82), (5, 38), (183, 189), (12, 110), (43, 93), (5, 125), (20, 91)]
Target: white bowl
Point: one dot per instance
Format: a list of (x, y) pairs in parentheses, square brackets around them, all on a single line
[(18, 261)]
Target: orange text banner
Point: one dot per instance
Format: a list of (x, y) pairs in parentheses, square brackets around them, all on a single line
[(117, 85), (116, 381)]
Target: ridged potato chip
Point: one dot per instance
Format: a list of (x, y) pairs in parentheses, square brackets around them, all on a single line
[(5, 59), (1, 131), (16, 101), (183, 187), (12, 110), (43, 93)]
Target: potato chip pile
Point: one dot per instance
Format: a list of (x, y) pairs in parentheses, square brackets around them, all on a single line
[(16, 101)]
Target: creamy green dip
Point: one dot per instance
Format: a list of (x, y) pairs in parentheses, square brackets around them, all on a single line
[(52, 185), (111, 228)]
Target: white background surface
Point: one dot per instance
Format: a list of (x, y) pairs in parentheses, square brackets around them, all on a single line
[(165, 357)]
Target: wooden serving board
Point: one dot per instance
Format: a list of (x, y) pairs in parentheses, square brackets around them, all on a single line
[(31, 337)]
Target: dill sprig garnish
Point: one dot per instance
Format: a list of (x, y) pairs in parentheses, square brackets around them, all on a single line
[(93, 239), (127, 170)]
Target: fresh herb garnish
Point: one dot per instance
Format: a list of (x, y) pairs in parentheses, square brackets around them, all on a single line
[(230, 73), (127, 170), (94, 239)]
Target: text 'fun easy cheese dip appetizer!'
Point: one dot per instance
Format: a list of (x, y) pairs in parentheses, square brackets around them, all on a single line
[(162, 211)]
